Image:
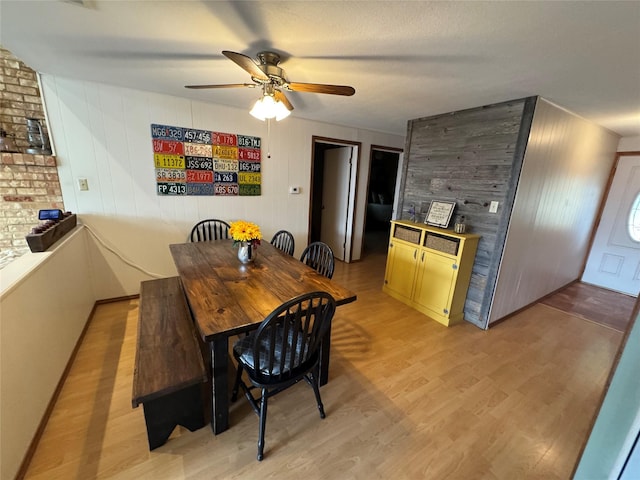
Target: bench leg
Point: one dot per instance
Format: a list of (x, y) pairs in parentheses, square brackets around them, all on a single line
[(163, 414), (220, 385)]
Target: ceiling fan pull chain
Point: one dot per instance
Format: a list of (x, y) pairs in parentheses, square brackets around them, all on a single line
[(268, 138)]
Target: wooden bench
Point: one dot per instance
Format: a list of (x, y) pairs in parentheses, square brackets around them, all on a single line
[(169, 369)]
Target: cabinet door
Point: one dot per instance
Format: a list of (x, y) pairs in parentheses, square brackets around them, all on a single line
[(401, 268), (435, 282)]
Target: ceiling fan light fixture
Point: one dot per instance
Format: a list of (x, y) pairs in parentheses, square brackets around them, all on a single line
[(267, 107), (262, 108), (281, 111)]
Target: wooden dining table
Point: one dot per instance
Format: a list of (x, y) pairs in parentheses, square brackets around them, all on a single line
[(228, 298)]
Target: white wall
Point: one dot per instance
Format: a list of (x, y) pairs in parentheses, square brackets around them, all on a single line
[(565, 171), (102, 133), (44, 310), (629, 144)]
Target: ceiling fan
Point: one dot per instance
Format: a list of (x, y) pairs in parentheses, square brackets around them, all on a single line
[(268, 75)]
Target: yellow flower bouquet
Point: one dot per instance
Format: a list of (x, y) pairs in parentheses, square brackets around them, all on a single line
[(247, 232)]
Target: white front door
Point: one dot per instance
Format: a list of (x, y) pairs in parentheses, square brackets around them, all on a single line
[(335, 199), (614, 260)]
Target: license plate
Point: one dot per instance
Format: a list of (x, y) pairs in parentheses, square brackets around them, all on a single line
[(167, 132), (249, 190), (248, 154), (168, 146), (247, 177), (224, 139), (225, 188), (199, 176), (172, 189), (249, 166), (225, 166), (199, 163), (197, 136), (249, 142), (229, 153), (163, 160), (197, 150), (225, 177), (199, 188), (170, 175)]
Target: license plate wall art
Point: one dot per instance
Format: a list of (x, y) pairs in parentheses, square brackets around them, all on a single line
[(200, 162)]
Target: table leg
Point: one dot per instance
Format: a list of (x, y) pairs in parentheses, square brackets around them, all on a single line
[(219, 382), (324, 357)]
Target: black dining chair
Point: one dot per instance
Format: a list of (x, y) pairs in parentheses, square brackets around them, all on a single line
[(210, 229), (283, 240), (319, 256), (282, 351)]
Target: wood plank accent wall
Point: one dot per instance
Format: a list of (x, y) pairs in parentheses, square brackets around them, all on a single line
[(472, 157)]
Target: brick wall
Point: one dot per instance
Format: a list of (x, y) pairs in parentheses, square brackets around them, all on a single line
[(28, 183), (20, 98)]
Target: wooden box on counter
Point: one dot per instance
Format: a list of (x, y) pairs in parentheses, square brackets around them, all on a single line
[(39, 242)]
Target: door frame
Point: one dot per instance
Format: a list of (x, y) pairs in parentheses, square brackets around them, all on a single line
[(352, 191), (603, 202), (396, 192)]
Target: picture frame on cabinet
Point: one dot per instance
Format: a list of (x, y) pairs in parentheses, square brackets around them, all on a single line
[(439, 214)]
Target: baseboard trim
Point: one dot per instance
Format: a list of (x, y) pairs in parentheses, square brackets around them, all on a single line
[(529, 305)]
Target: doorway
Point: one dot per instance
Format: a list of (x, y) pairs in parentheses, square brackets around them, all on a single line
[(615, 255), (334, 166), (381, 198)]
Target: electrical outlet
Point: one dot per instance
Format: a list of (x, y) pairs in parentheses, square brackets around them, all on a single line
[(493, 208), (83, 185)]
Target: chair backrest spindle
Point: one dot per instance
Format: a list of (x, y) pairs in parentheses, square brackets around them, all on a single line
[(210, 229), (319, 256), (283, 240)]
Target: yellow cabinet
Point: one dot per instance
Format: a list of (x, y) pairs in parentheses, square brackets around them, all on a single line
[(429, 269), (402, 263), (434, 283)]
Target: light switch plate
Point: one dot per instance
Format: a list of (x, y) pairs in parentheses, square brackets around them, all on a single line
[(83, 185), (493, 208), (294, 190)]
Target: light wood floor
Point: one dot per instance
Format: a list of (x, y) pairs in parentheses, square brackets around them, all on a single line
[(407, 399)]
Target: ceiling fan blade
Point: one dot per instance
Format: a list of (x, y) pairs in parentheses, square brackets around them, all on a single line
[(319, 88), (224, 85), (278, 95), (247, 64)]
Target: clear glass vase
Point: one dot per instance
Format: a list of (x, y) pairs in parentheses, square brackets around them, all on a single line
[(247, 252)]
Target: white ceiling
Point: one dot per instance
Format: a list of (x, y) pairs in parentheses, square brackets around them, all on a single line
[(405, 59)]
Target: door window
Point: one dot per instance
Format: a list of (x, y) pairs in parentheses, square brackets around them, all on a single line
[(634, 219)]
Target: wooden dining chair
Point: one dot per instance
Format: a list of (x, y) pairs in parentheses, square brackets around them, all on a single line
[(282, 351), (283, 240), (319, 256), (210, 229)]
